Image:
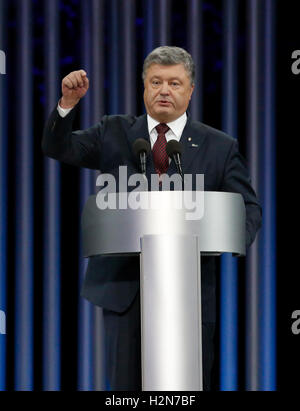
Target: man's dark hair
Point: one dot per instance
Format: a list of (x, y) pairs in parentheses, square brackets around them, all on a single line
[(168, 56)]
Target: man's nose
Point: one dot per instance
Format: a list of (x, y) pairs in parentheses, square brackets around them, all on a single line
[(164, 88)]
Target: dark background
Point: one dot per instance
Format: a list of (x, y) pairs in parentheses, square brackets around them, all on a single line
[(287, 116), (287, 163)]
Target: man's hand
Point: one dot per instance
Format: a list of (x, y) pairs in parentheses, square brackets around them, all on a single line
[(74, 87)]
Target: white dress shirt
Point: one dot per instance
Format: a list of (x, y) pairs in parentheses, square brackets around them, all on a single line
[(176, 128)]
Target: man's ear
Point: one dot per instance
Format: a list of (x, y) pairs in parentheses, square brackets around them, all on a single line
[(192, 89)]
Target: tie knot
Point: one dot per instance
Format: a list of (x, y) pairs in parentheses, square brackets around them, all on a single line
[(162, 128)]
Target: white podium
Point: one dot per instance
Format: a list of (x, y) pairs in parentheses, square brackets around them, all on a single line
[(170, 242)]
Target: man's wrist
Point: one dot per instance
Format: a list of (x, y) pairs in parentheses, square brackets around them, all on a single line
[(67, 104), (63, 112)]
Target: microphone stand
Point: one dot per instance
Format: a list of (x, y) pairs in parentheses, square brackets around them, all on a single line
[(143, 160), (176, 158)]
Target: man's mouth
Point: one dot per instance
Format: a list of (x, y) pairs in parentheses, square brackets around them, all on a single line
[(164, 103)]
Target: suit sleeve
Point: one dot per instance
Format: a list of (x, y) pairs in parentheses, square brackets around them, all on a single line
[(236, 180), (78, 148)]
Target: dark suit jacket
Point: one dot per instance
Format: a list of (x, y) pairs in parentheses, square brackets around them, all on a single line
[(113, 282)]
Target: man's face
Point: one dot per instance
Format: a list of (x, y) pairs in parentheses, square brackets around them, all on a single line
[(167, 92)]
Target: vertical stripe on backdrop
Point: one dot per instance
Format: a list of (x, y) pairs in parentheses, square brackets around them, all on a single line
[(163, 23), (115, 63), (229, 274), (3, 197), (128, 43), (97, 91), (195, 48), (24, 242), (253, 137), (87, 184), (149, 24), (268, 195), (157, 18), (52, 218), (261, 266)]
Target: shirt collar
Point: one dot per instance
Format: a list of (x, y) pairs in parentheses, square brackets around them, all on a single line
[(176, 126)]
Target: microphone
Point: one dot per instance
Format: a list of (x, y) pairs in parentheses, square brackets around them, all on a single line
[(174, 150), (141, 149)]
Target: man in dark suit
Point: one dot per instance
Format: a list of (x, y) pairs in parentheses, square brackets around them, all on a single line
[(113, 282)]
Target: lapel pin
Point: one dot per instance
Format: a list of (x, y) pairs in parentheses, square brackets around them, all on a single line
[(194, 145), (190, 139)]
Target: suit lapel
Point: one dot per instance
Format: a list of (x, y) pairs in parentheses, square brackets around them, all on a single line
[(192, 139), (140, 130)]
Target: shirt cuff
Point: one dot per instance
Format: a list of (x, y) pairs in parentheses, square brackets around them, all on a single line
[(63, 112)]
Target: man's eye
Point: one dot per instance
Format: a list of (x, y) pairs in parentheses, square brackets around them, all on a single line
[(174, 84), (155, 82)]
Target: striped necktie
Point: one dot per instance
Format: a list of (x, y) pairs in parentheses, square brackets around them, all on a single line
[(160, 156)]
